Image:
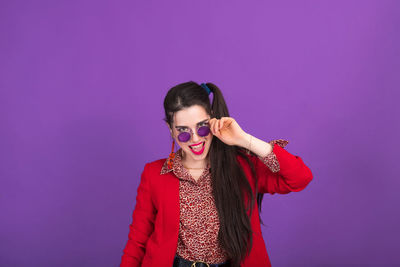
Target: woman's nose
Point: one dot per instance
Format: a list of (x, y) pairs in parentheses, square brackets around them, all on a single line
[(195, 137)]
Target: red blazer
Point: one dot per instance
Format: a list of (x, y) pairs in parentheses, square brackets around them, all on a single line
[(153, 235)]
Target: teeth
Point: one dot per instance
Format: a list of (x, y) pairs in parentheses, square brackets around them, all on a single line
[(197, 147)]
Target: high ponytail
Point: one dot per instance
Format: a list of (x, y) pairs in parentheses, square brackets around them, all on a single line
[(229, 185)]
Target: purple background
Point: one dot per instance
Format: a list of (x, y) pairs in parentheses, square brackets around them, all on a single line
[(82, 87)]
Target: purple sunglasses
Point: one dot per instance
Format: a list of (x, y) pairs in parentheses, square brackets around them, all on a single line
[(187, 133)]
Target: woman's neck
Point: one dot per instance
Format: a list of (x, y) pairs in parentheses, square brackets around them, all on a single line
[(196, 164)]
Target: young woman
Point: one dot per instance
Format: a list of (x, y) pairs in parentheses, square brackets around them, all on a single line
[(200, 206)]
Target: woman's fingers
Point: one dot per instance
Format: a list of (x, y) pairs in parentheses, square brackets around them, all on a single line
[(217, 124), (212, 125), (223, 122), (216, 127)]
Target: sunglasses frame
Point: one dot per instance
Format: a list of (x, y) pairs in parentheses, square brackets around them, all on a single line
[(190, 131)]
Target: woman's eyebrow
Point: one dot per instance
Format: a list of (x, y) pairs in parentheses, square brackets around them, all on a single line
[(203, 121)]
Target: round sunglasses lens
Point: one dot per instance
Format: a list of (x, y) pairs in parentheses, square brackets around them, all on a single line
[(203, 131), (184, 137)]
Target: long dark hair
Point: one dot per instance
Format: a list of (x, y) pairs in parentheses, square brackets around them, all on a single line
[(228, 179)]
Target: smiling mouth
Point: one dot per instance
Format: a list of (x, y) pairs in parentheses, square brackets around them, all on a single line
[(197, 144), (199, 149)]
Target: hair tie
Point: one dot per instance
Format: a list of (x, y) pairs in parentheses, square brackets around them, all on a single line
[(206, 87)]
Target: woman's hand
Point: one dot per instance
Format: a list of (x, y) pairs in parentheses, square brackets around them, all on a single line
[(228, 131)]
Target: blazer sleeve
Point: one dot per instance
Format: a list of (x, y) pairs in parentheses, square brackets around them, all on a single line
[(142, 225), (280, 171)]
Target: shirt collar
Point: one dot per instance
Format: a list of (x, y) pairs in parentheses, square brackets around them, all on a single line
[(177, 166)]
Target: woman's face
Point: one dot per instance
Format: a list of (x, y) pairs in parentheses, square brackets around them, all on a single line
[(192, 118)]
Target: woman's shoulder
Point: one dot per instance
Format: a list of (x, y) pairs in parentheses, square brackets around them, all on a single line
[(155, 166)]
